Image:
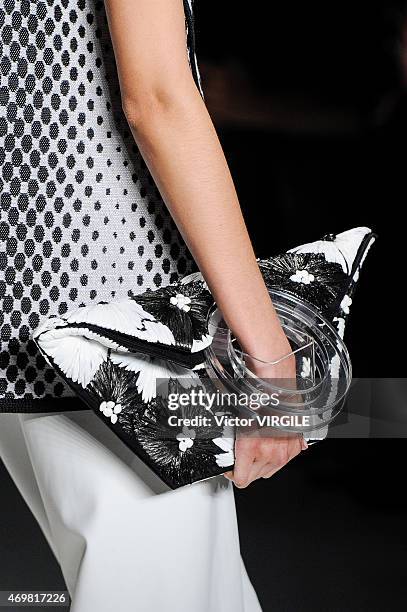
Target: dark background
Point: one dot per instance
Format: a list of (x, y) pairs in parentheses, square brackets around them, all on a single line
[(310, 105)]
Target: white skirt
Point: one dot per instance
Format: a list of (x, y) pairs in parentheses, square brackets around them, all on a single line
[(123, 539)]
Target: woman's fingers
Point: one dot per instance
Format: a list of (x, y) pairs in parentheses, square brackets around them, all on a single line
[(304, 443), (263, 457), (294, 447), (245, 456), (269, 470)]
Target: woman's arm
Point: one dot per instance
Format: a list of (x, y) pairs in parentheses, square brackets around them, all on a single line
[(177, 139)]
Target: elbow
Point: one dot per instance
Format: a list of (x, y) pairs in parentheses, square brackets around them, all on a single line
[(166, 99), (144, 109), (139, 108)]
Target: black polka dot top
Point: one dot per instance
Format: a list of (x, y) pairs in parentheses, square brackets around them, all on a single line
[(81, 219)]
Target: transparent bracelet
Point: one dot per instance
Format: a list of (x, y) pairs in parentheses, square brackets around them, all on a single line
[(323, 369)]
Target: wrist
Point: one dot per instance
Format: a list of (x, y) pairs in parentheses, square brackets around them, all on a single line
[(267, 346)]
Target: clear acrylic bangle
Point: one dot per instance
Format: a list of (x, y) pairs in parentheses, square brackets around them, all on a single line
[(323, 367)]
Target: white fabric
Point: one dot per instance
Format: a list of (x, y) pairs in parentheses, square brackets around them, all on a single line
[(125, 541)]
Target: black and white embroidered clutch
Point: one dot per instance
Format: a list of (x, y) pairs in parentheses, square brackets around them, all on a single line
[(112, 354)]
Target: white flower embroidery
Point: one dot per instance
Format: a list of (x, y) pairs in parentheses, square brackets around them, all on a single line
[(346, 302), (181, 301), (79, 352), (340, 325), (341, 250), (78, 357), (185, 439), (302, 276), (227, 444), (111, 410), (152, 370)]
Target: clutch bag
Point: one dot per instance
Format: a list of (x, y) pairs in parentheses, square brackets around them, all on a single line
[(115, 355)]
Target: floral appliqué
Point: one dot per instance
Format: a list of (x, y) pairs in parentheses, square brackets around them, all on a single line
[(186, 439), (110, 410), (183, 308), (181, 301), (346, 303), (302, 276)]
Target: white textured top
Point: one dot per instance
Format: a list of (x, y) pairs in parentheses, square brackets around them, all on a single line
[(81, 220)]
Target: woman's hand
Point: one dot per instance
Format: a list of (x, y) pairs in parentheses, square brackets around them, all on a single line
[(262, 457)]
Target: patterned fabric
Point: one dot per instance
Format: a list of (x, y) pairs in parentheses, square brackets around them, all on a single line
[(117, 355), (125, 357), (81, 218)]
